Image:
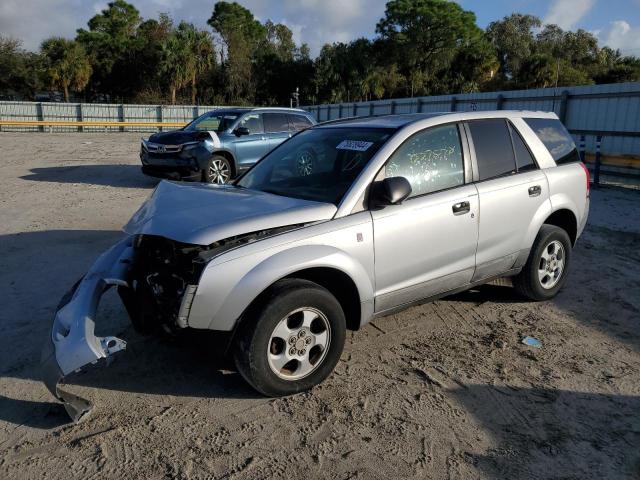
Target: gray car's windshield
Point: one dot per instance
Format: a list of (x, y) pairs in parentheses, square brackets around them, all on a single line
[(212, 122), (318, 164)]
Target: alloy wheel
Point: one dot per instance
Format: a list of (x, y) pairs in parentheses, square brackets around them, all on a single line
[(299, 343), (551, 266), (219, 171)]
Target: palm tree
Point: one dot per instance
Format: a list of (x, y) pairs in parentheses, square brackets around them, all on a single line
[(173, 64), (68, 64), (200, 53)]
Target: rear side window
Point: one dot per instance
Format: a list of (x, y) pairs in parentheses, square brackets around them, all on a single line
[(431, 160), (524, 159), (299, 122), (556, 138), (492, 144), (275, 122), (252, 121)]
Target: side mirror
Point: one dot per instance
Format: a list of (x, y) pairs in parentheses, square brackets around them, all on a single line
[(390, 191), (241, 131)]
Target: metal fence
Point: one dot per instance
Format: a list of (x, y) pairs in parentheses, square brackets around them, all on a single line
[(604, 119), (88, 112)]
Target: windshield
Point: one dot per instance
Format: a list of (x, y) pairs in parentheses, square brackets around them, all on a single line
[(212, 122), (319, 164)]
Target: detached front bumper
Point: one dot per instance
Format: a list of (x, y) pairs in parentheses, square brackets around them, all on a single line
[(72, 343)]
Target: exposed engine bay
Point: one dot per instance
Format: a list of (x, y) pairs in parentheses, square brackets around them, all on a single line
[(164, 276)]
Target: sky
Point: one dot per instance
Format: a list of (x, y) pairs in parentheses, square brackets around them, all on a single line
[(616, 23)]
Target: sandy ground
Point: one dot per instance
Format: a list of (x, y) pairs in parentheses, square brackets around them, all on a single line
[(443, 390)]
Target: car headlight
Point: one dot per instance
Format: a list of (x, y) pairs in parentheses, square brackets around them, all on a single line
[(190, 145)]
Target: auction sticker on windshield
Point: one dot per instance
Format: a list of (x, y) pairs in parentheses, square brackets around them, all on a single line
[(357, 145)]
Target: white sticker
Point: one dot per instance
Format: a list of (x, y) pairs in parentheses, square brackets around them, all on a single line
[(356, 145)]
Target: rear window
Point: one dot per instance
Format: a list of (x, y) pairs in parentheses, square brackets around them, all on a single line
[(492, 143), (555, 137), (299, 122)]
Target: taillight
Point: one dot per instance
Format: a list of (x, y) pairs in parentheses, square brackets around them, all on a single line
[(586, 171)]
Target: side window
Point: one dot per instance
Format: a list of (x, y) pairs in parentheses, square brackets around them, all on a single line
[(299, 122), (492, 144), (556, 138), (431, 160), (524, 159), (253, 121), (275, 122)]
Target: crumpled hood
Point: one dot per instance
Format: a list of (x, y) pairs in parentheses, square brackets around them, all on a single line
[(202, 214), (177, 137)]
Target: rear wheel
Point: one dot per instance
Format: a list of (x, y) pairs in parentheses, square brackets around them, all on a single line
[(218, 171), (546, 269), (292, 340)]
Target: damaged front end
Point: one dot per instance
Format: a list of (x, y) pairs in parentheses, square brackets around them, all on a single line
[(156, 278), (73, 343)]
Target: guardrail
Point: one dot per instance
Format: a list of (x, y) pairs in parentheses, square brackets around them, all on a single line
[(80, 125)]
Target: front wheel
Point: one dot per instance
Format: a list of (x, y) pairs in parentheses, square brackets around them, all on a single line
[(292, 340), (545, 272), (218, 170)]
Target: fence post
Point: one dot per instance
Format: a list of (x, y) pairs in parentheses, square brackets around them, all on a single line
[(79, 115), (454, 101), (419, 105), (596, 172), (393, 107), (564, 99), (499, 101), (371, 107), (340, 111), (355, 109), (581, 148), (121, 115), (40, 116), (159, 114)]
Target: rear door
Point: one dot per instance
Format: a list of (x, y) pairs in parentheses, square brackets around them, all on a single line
[(276, 126), (427, 244), (251, 148), (512, 191)]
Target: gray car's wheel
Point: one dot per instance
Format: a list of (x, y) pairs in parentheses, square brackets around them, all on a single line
[(218, 171), (292, 339), (546, 269)]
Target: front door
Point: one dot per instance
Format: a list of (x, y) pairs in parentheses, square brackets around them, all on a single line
[(251, 148), (426, 245)]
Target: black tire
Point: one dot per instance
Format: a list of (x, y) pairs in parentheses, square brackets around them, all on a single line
[(527, 282), (219, 170), (253, 340)]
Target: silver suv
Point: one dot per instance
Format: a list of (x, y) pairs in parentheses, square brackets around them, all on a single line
[(396, 210)]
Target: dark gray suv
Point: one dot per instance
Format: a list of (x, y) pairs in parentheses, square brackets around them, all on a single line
[(220, 144)]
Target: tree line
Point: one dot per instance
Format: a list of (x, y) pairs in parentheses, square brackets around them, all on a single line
[(421, 47)]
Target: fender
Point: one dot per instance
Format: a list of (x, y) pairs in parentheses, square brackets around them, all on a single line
[(227, 289), (543, 212)]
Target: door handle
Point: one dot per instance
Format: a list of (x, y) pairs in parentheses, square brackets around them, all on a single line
[(461, 208), (535, 191)]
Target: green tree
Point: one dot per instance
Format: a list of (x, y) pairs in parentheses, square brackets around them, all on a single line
[(18, 69), (197, 46), (514, 42), (240, 35), (424, 37), (68, 65), (111, 42)]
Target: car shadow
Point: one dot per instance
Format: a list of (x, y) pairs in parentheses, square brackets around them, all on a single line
[(124, 176)]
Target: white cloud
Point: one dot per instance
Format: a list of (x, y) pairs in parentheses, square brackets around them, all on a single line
[(566, 13), (621, 35), (314, 22)]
